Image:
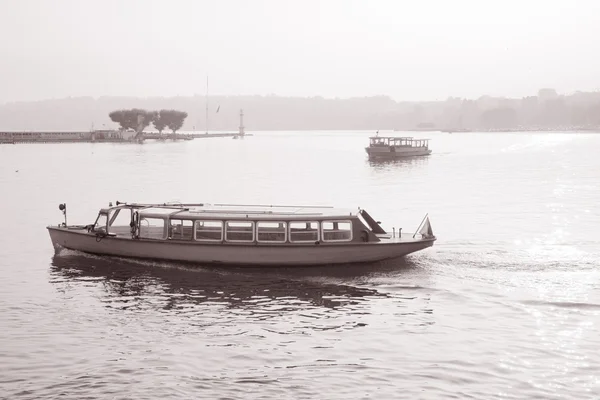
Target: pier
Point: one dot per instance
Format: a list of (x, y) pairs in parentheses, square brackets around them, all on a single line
[(66, 140), (186, 136), (84, 137), (106, 136), (111, 136)]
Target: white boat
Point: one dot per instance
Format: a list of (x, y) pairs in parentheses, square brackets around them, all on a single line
[(390, 147), (239, 234)]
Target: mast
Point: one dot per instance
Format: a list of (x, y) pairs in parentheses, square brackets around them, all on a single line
[(241, 128), (206, 104)]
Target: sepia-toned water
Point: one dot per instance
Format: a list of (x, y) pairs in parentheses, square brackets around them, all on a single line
[(506, 304)]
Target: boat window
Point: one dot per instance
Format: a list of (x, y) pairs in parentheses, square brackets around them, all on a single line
[(119, 222), (239, 231), (304, 231), (152, 228), (337, 231), (271, 231), (181, 229), (210, 231), (101, 221)]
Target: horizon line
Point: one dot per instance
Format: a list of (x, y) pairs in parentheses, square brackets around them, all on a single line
[(293, 97)]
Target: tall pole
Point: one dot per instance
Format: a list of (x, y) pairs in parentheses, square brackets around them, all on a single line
[(207, 104), (241, 128)]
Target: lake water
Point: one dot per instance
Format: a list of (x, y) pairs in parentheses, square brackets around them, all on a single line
[(506, 304)]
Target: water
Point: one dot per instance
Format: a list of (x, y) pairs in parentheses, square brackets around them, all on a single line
[(505, 305)]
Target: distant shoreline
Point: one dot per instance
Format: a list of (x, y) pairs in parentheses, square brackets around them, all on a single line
[(553, 130), (104, 136)]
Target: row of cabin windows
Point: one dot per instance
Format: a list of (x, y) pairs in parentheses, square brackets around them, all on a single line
[(246, 231)]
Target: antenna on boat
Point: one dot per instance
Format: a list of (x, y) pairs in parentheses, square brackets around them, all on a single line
[(63, 207)]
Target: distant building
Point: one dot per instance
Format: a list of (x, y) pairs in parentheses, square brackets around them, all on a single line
[(487, 102), (547, 94), (103, 134)]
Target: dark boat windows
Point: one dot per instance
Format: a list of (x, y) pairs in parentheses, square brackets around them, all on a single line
[(239, 231), (272, 232), (397, 142), (152, 228), (181, 229), (336, 231), (304, 231), (209, 231)]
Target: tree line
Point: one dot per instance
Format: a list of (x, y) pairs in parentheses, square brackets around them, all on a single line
[(545, 110), (139, 119)]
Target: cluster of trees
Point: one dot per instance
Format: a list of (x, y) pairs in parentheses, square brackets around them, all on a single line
[(139, 119), (548, 110)]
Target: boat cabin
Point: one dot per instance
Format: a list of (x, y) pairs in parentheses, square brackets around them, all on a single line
[(238, 224), (391, 141)]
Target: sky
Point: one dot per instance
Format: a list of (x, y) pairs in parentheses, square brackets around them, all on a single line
[(408, 50)]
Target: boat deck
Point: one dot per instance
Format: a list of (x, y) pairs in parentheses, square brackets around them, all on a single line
[(406, 237)]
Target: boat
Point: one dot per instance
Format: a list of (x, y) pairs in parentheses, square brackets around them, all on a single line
[(228, 234), (389, 147)]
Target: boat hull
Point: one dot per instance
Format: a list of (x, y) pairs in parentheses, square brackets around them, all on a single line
[(235, 254)]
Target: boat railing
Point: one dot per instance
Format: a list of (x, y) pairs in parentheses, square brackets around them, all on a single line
[(187, 205), (253, 212), (159, 205), (269, 205)]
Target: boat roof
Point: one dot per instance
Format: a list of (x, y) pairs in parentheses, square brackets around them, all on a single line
[(235, 211), (397, 137)]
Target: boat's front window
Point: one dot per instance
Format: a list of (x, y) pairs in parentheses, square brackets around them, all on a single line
[(101, 221), (378, 141), (211, 231), (152, 228), (337, 231), (271, 231), (304, 231), (239, 231)]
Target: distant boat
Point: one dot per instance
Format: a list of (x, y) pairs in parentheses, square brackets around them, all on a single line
[(457, 130), (396, 147)]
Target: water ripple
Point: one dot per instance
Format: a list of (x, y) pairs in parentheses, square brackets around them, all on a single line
[(505, 305)]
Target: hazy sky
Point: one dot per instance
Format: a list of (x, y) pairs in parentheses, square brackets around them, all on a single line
[(409, 50)]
